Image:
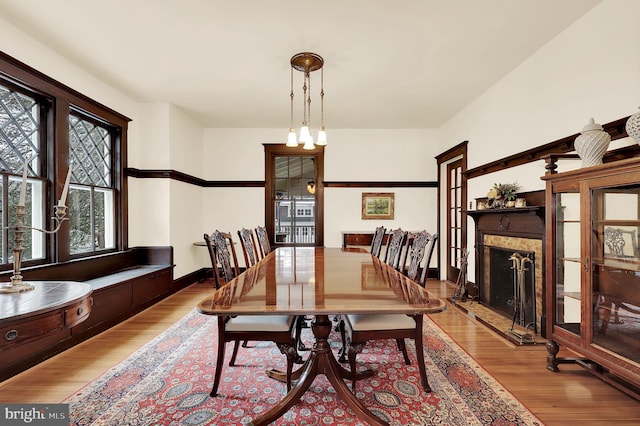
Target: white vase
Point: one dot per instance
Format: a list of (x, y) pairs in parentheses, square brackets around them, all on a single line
[(633, 127), (592, 143)]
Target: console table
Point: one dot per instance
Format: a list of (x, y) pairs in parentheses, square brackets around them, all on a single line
[(359, 238), (39, 318)]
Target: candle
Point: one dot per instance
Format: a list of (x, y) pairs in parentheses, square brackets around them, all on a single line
[(23, 185), (63, 198)]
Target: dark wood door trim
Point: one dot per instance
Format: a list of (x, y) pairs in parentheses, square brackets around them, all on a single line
[(274, 150), (459, 150)]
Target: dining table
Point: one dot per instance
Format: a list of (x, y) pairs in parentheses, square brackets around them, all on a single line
[(320, 282)]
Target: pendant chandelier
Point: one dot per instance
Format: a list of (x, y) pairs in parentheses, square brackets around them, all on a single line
[(307, 62)]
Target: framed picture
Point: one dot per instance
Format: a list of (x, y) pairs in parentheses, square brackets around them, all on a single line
[(621, 241), (377, 205)]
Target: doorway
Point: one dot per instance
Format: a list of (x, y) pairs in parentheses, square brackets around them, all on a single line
[(452, 189), (294, 196)]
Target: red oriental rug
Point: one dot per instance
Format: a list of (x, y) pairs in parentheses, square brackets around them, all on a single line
[(167, 382)]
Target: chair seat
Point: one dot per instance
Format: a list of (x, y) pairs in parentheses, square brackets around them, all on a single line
[(260, 323), (381, 322)]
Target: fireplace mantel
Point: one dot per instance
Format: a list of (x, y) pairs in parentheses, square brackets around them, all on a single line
[(525, 222)]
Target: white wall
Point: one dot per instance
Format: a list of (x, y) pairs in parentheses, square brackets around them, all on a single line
[(352, 155), (186, 200), (164, 211), (592, 69), (21, 46)]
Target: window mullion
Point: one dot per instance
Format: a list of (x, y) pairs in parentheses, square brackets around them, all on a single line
[(60, 151)]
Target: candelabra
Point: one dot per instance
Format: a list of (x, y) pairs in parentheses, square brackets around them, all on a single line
[(17, 285)]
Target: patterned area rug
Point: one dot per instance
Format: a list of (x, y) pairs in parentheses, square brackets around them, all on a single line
[(167, 382)]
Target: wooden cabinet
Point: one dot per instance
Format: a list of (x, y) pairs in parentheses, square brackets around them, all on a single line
[(37, 324), (359, 238), (151, 287), (34, 321), (593, 270)]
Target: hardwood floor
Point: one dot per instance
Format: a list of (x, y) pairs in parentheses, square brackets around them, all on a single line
[(570, 397)]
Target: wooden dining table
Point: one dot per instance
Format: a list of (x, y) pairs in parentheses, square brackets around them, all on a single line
[(320, 282)]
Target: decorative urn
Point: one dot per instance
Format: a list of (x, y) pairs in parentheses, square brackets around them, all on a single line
[(592, 143), (633, 127)]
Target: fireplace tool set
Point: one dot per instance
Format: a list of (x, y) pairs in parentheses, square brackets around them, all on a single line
[(461, 283), (518, 264)]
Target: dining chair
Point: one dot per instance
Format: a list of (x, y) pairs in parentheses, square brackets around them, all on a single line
[(274, 328), (263, 241), (248, 242), (395, 242), (357, 330), (419, 247), (378, 238)]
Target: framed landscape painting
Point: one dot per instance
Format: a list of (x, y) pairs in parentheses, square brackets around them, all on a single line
[(377, 205)]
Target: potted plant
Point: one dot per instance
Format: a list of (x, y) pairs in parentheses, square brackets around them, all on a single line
[(503, 194), (509, 192)]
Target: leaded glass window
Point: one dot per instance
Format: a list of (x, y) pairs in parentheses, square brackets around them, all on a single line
[(49, 129), (20, 134), (91, 196)]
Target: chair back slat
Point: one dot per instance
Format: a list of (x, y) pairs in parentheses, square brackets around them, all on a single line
[(263, 241), (224, 260), (394, 247), (419, 247), (427, 258), (376, 243), (248, 247)]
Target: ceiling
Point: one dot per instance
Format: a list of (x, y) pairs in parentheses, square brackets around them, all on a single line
[(402, 64)]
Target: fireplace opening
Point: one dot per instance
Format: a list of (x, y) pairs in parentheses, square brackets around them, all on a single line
[(512, 285)]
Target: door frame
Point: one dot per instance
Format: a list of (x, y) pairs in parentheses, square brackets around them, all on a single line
[(272, 151), (456, 153)]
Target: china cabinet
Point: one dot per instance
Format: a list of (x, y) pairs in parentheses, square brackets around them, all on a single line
[(593, 270)]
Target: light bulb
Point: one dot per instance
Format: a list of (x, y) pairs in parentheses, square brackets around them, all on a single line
[(308, 144), (292, 141), (304, 133), (322, 138)]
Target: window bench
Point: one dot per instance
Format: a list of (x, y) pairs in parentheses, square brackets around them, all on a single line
[(123, 284)]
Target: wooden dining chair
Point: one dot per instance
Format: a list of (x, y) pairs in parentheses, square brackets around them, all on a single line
[(376, 242), (419, 249), (248, 242), (274, 328), (263, 241), (357, 330), (395, 243)]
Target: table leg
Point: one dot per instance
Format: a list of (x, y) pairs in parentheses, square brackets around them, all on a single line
[(320, 361)]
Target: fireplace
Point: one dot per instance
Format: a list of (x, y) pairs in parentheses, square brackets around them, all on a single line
[(502, 236), (512, 285)]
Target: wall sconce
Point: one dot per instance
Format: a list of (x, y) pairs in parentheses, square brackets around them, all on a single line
[(311, 187)]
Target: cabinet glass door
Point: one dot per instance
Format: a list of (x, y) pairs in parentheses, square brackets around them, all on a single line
[(616, 269), (568, 310)]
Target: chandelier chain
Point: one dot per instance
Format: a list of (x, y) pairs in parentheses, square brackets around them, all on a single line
[(291, 96)]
